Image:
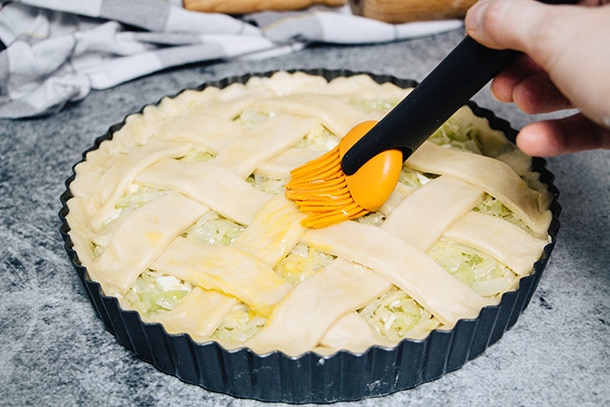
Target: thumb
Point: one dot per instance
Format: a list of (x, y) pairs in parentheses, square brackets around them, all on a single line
[(522, 25)]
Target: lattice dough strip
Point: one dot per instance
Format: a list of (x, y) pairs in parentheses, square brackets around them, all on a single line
[(281, 165), (141, 237), (351, 332), (336, 115), (226, 269), (301, 318), (242, 94), (362, 87), (202, 129), (276, 229), (407, 267), (284, 83), (199, 313), (244, 154), (226, 102), (503, 240), (215, 186), (398, 195), (423, 216), (493, 176), (123, 170)]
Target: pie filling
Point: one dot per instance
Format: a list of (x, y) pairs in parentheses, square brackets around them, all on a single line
[(182, 217)]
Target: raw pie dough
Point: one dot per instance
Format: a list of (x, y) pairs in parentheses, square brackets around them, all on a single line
[(205, 153)]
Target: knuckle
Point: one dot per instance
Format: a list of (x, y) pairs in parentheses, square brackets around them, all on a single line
[(493, 20)]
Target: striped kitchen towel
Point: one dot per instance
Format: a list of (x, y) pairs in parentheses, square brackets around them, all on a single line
[(58, 51)]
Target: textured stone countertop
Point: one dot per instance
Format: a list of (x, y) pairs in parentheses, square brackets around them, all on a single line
[(54, 351)]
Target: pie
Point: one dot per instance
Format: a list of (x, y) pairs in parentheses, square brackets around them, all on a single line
[(181, 215)]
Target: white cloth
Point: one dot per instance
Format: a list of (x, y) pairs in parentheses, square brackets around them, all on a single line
[(58, 51)]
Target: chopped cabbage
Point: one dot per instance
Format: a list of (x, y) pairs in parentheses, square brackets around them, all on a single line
[(482, 272), (412, 178), (239, 325), (198, 155), (251, 117), (154, 292), (318, 139), (267, 184), (214, 230), (301, 263), (457, 134), (372, 105), (372, 218), (136, 196), (491, 206), (395, 315)]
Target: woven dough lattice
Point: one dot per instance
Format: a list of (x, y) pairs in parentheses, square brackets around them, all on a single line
[(145, 201)]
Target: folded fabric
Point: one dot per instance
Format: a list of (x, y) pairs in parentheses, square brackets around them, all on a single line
[(58, 51)]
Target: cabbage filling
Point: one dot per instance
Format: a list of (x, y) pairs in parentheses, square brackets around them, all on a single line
[(239, 325), (483, 273), (374, 105), (319, 139), (414, 179), (197, 154), (394, 314), (214, 230), (457, 134), (302, 262), (251, 117), (267, 184), (134, 197), (155, 292), (491, 206)]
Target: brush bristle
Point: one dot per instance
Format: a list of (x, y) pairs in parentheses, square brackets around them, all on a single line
[(319, 190)]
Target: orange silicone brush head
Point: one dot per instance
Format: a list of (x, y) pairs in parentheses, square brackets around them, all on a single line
[(321, 190)]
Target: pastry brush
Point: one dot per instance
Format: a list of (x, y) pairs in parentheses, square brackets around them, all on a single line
[(358, 175)]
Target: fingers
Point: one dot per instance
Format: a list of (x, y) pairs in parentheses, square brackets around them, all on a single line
[(570, 43), (529, 87), (556, 137), (537, 94), (503, 85)]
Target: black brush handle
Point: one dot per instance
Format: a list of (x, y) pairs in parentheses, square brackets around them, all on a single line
[(458, 77)]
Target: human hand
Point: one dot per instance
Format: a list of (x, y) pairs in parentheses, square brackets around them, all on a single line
[(566, 64)]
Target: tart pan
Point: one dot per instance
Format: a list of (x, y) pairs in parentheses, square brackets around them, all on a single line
[(311, 377)]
